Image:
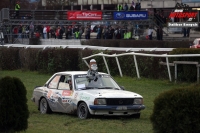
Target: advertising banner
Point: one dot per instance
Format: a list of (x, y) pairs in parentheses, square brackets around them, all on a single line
[(133, 15), (183, 24), (84, 15), (190, 1)]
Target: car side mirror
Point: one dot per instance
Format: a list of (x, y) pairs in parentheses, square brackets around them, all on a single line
[(122, 87)]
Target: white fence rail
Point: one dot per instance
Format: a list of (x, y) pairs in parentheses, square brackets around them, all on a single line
[(83, 47), (149, 55)]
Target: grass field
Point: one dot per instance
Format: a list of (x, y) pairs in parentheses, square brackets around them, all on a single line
[(63, 123)]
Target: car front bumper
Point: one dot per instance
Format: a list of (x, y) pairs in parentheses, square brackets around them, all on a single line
[(124, 110), (117, 108)]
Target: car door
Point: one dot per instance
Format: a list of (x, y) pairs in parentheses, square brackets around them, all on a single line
[(59, 94)]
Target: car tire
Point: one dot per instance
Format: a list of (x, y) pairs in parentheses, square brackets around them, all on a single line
[(44, 106), (136, 116), (83, 112)]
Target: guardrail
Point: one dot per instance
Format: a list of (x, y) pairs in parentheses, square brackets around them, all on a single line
[(149, 55)]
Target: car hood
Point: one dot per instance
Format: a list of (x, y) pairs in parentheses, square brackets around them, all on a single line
[(110, 93)]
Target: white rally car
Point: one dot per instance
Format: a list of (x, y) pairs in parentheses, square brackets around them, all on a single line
[(73, 92)]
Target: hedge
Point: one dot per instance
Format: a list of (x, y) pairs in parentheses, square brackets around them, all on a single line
[(177, 111)]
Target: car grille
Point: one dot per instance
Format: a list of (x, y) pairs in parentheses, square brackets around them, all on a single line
[(120, 101)]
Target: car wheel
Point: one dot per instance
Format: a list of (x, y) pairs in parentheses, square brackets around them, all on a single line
[(136, 116), (83, 112), (44, 106)]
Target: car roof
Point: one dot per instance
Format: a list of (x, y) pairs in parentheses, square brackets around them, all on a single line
[(75, 72)]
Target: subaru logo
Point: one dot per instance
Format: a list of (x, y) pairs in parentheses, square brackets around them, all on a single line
[(120, 15)]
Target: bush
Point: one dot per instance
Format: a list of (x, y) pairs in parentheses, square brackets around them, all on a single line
[(13, 105), (177, 111)]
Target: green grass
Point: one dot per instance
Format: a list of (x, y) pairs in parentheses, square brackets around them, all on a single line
[(63, 123)]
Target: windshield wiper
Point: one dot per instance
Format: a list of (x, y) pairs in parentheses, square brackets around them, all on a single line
[(87, 88), (108, 88)]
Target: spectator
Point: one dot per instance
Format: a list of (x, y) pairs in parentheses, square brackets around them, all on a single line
[(136, 29), (66, 32), (150, 32), (48, 31), (116, 32), (61, 33), (23, 31), (119, 7), (136, 6), (77, 33), (37, 35), (188, 32), (85, 32), (20, 31), (125, 35), (103, 32), (139, 6), (158, 33), (125, 7), (128, 34), (31, 30), (73, 32), (17, 7), (70, 32), (58, 32), (88, 32), (99, 32), (111, 32), (52, 32), (132, 8), (45, 32), (15, 31), (133, 3), (106, 34), (80, 32)]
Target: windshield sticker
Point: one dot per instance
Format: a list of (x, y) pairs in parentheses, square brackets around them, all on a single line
[(86, 98), (66, 93), (81, 76), (81, 85)]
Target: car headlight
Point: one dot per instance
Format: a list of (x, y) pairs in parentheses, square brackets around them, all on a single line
[(138, 101), (99, 101)]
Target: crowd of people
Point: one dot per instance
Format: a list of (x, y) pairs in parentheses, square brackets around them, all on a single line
[(81, 32), (134, 6)]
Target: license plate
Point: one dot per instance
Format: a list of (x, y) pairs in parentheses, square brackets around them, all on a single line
[(121, 108)]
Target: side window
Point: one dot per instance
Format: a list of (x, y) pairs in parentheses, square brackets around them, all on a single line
[(63, 83), (54, 82)]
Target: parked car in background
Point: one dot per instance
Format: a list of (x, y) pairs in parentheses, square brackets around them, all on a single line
[(73, 92), (196, 43)]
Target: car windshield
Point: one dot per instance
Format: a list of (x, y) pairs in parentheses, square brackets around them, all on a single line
[(95, 82)]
